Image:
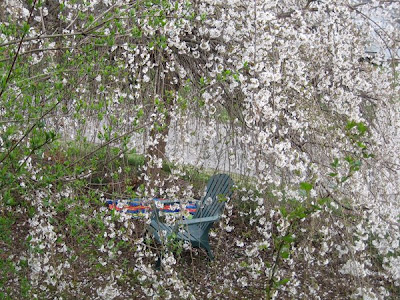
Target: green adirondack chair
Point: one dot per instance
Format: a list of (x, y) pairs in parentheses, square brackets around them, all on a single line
[(196, 230)]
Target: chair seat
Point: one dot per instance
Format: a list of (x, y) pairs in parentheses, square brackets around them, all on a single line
[(190, 233)]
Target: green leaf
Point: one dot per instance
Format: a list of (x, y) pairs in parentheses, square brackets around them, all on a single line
[(361, 145), (344, 178), (136, 32), (9, 199), (306, 186), (244, 264), (3, 82), (349, 159), (288, 238), (333, 174), (282, 282), (335, 163), (357, 163), (301, 215), (323, 201), (283, 211), (351, 124), (361, 128), (284, 254), (25, 28)]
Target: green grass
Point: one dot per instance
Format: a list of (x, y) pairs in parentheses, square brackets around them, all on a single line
[(135, 160)]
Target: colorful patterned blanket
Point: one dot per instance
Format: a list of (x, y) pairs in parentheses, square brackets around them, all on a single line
[(137, 206)]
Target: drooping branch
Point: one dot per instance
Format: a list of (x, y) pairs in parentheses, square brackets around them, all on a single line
[(4, 83)]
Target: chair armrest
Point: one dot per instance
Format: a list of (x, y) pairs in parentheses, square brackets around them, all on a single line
[(199, 220), (167, 201)]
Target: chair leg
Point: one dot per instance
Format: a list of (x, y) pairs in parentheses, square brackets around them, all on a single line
[(209, 252), (157, 265)]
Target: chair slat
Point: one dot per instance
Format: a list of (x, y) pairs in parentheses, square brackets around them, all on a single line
[(219, 185), (211, 190)]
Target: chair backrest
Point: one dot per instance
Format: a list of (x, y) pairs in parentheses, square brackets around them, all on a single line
[(219, 187)]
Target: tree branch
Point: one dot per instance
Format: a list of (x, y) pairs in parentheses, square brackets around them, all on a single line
[(49, 36)]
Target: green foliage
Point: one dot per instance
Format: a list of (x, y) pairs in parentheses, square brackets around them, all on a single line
[(305, 186), (174, 244), (6, 221), (356, 133), (294, 212)]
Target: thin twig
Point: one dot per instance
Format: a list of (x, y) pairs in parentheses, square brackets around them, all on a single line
[(37, 50), (49, 36), (28, 132), (41, 16), (16, 54)]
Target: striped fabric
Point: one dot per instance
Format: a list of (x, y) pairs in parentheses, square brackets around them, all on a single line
[(136, 206)]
